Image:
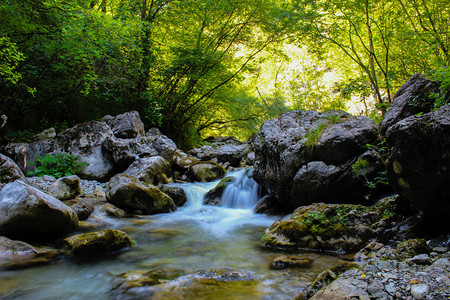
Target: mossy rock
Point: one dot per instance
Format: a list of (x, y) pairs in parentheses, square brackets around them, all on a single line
[(411, 248), (129, 193), (214, 196), (289, 261), (331, 226), (325, 278), (98, 243), (206, 171)]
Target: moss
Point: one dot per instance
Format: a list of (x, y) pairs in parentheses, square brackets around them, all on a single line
[(100, 242), (318, 225), (411, 248)]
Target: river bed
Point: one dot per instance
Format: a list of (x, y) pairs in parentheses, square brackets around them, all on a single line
[(193, 238)]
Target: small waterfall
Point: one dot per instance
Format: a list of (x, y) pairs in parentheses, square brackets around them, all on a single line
[(242, 192)]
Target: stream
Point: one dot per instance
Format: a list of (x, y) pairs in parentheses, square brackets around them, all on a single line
[(194, 237)]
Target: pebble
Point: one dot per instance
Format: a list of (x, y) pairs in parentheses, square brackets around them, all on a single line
[(419, 291)]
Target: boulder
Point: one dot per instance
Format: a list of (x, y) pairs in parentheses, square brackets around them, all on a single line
[(86, 141), (213, 196), (65, 188), (418, 167), (224, 153), (98, 243), (25, 210), (132, 195), (83, 140), (126, 151), (338, 227), (126, 125), (161, 143), (177, 194), (9, 171), (304, 146), (206, 171), (410, 99), (17, 254), (153, 170)]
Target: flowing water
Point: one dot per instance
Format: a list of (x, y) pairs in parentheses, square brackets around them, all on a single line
[(194, 237)]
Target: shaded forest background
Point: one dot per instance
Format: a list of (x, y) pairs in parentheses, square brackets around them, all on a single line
[(196, 68)]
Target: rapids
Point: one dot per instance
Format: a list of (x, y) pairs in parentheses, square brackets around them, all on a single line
[(194, 237)]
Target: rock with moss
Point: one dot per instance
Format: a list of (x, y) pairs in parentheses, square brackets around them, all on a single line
[(9, 171), (177, 194), (27, 211), (206, 171), (65, 188), (214, 196), (317, 149), (153, 170), (290, 261), (17, 254), (411, 248), (325, 278), (335, 227), (133, 195), (98, 243)]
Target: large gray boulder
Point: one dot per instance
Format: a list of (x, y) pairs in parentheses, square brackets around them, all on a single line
[(419, 166), (153, 170), (83, 140), (301, 147), (25, 210), (9, 171), (153, 143), (126, 125), (410, 99), (223, 152), (86, 141), (133, 195)]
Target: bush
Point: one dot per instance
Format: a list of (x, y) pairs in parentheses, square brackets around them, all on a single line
[(57, 165)]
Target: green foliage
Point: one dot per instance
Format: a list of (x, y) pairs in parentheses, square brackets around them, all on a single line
[(314, 135), (57, 165), (441, 98), (361, 168)]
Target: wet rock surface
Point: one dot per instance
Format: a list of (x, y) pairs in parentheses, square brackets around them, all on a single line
[(167, 285), (17, 254), (290, 261), (98, 243)]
